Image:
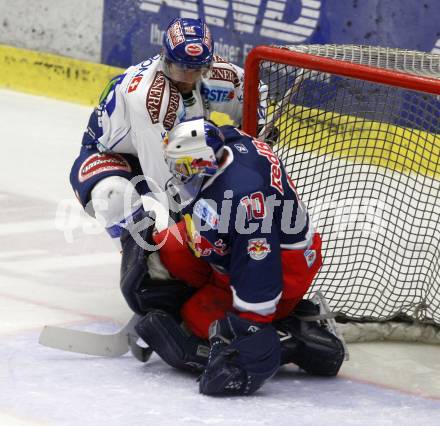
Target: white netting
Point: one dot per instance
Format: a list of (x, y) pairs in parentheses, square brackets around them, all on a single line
[(408, 61), (365, 158)]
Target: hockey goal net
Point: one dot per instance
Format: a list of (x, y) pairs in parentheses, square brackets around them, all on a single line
[(359, 132)]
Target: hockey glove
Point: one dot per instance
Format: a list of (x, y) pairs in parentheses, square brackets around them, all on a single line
[(243, 355), (142, 292)]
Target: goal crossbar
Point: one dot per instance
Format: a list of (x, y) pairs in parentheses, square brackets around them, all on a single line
[(322, 64)]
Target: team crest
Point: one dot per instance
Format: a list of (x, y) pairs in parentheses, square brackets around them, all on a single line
[(310, 256), (258, 248)]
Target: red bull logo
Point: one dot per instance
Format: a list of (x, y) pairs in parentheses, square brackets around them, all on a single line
[(258, 248), (203, 247), (199, 244), (203, 166)]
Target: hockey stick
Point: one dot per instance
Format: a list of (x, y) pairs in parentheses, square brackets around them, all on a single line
[(280, 107), (86, 342)]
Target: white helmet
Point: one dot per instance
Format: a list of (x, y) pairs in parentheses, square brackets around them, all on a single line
[(193, 148)]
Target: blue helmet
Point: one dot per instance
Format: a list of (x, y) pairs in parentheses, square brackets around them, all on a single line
[(188, 43)]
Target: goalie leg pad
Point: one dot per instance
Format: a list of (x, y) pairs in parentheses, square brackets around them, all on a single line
[(310, 346), (165, 295), (172, 343)]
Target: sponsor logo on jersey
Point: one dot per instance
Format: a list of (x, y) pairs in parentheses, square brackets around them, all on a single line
[(175, 35), (100, 163), (217, 94), (258, 248), (219, 59), (154, 97), (206, 212), (199, 244), (241, 148), (134, 83), (144, 65), (110, 87), (194, 49), (225, 75), (172, 107), (264, 150), (310, 256)]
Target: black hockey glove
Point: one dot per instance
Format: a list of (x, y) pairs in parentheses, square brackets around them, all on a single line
[(134, 269), (243, 355), (142, 292)]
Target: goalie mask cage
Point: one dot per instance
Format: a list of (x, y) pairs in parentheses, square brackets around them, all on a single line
[(359, 134)]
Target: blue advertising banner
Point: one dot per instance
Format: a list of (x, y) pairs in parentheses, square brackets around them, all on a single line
[(133, 29)]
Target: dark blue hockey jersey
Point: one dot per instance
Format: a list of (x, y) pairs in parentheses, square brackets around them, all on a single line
[(243, 217)]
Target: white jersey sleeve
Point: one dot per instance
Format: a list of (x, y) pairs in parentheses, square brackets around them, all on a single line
[(136, 110), (114, 119)]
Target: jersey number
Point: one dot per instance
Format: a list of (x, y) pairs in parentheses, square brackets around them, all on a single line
[(254, 204)]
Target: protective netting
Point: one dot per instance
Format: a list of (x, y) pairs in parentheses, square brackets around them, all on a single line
[(365, 159)]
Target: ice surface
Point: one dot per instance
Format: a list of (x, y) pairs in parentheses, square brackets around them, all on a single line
[(57, 267)]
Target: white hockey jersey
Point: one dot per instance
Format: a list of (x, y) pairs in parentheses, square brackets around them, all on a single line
[(142, 104)]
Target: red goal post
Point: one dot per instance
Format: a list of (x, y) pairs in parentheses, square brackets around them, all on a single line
[(366, 122)]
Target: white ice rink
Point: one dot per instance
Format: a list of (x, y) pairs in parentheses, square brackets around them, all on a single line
[(57, 267)]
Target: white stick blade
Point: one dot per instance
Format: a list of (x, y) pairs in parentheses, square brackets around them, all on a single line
[(111, 345)]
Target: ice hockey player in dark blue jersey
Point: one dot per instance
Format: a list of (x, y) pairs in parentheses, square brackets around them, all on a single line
[(251, 253)]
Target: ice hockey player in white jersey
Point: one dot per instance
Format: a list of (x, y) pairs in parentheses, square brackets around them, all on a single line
[(124, 134)]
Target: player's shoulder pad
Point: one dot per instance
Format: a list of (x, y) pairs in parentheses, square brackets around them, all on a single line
[(240, 174), (231, 133), (111, 86), (226, 72), (255, 164)]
